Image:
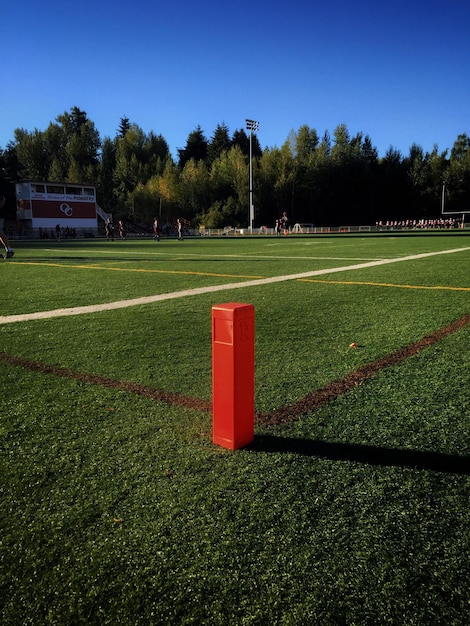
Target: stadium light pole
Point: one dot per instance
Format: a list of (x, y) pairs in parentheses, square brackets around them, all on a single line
[(251, 125), (443, 197)]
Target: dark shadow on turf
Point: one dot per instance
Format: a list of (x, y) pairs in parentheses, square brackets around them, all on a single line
[(359, 453)]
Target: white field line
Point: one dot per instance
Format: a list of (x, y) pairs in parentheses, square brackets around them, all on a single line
[(235, 255), (122, 304)]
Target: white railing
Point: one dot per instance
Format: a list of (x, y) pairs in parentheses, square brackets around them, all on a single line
[(104, 216)]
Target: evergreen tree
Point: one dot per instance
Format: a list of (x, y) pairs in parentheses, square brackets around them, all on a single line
[(138, 158), (342, 149), (106, 174), (241, 139), (304, 178), (81, 143), (8, 174), (305, 143), (275, 185), (458, 176), (229, 191), (196, 148), (219, 143), (369, 154), (155, 154), (124, 126), (129, 163), (325, 182), (394, 187)]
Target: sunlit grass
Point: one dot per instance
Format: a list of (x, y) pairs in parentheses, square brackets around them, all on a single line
[(118, 509)]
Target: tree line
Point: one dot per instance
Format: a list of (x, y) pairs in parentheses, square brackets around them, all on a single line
[(334, 180)]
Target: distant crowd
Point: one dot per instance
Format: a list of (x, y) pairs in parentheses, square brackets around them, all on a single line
[(449, 222), (58, 233)]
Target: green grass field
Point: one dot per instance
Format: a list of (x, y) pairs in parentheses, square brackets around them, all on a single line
[(117, 508)]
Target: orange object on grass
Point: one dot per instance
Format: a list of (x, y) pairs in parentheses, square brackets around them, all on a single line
[(233, 374)]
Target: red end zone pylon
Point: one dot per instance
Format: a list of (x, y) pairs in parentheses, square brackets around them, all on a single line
[(233, 374)]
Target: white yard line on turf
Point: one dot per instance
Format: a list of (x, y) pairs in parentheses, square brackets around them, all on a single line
[(238, 255), (122, 304)]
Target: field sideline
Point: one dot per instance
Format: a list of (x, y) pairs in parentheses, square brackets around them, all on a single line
[(211, 289), (351, 506)]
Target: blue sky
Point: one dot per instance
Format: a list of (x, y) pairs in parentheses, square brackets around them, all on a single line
[(396, 71)]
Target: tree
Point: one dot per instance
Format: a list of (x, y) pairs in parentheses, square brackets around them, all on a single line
[(8, 174), (323, 181), (138, 158), (9, 164), (72, 122), (241, 139), (305, 143), (81, 143), (155, 154), (238, 171), (124, 126), (221, 180), (438, 166), (276, 184), (369, 154), (416, 167), (458, 175), (168, 188), (106, 174), (368, 166), (196, 148), (304, 147), (34, 159), (341, 151), (219, 143), (129, 157), (194, 187), (229, 191), (461, 148), (343, 196), (394, 187)]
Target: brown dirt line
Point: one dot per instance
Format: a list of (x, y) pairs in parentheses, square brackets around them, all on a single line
[(119, 385), (283, 415), (337, 388)]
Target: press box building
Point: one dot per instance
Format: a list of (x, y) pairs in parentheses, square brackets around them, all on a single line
[(46, 205)]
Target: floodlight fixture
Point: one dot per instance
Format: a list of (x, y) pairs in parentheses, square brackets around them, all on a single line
[(252, 125)]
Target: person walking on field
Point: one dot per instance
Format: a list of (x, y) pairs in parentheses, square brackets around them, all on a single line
[(109, 229), (156, 229), (3, 238), (285, 223), (179, 227)]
